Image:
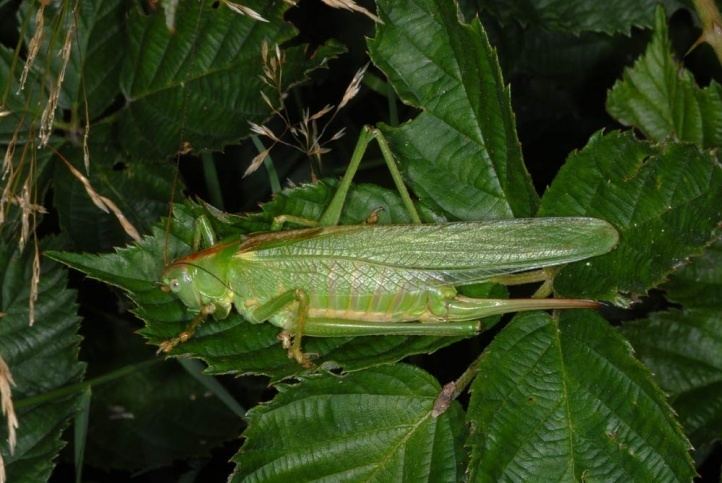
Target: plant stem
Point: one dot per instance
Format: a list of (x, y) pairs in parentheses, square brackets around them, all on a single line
[(80, 434), (81, 386), (195, 369), (213, 185), (711, 20), (393, 111), (453, 390)]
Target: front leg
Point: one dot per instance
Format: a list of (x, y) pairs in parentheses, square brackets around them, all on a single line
[(168, 345), (275, 305)]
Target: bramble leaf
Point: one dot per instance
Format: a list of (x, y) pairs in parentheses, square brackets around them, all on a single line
[(24, 107), (140, 190), (461, 154), (665, 201), (372, 425), (198, 86), (95, 59), (564, 399), (699, 284), (683, 348), (41, 358), (661, 98)]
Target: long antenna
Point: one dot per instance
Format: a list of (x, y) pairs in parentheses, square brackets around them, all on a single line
[(169, 218)]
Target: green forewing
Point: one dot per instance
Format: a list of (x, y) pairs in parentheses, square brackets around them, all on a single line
[(451, 253)]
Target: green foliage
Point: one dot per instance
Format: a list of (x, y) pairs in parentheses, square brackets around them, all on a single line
[(564, 399), (174, 81), (466, 129), (92, 72), (660, 97), (683, 347), (700, 283), (42, 357), (149, 86), (375, 425), (23, 107), (666, 201), (140, 190)]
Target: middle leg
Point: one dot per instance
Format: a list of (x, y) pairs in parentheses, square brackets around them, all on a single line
[(275, 305)]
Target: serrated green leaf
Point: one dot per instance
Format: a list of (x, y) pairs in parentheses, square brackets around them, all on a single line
[(95, 59), (41, 358), (140, 190), (699, 284), (575, 16), (684, 351), (200, 85), (564, 400), (661, 98), (373, 425), (665, 201), (233, 345), (461, 154), (25, 106), (683, 347)]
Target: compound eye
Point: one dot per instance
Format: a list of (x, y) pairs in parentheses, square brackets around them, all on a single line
[(174, 285)]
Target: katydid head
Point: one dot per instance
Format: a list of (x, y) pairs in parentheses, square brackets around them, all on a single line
[(178, 280)]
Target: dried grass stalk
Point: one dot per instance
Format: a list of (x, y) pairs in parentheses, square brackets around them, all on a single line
[(9, 154), (353, 7), (8, 409), (263, 131), (169, 9), (105, 204), (34, 284), (243, 10), (48, 117), (86, 135), (353, 87), (26, 207), (256, 162), (319, 114), (34, 45)]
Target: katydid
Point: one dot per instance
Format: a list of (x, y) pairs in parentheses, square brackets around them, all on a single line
[(328, 281)]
